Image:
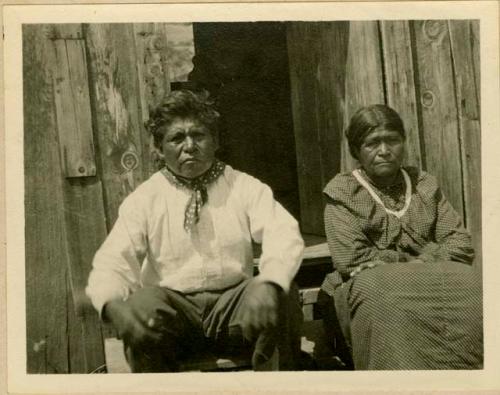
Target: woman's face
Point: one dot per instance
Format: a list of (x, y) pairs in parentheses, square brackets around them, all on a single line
[(188, 147), (381, 155)]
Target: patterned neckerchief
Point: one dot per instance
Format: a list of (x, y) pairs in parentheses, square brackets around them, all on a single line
[(198, 187)]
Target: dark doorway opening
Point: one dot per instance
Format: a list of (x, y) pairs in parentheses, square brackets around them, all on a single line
[(245, 68)]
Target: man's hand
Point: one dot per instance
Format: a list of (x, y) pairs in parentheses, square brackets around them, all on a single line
[(132, 326), (260, 308)]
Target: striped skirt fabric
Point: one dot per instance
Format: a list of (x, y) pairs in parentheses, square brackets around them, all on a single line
[(413, 315)]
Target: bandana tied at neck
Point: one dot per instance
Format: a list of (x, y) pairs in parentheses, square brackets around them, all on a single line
[(198, 187)]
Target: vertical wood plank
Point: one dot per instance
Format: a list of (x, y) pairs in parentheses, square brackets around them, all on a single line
[(76, 354), (318, 65), (85, 231), (73, 109), (331, 78), (153, 72), (364, 76), (476, 52), (303, 53), (45, 244), (68, 31), (399, 82), (439, 110), (469, 124), (122, 139), (84, 221)]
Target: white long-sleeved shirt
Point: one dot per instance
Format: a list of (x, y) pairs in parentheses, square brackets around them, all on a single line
[(149, 246)]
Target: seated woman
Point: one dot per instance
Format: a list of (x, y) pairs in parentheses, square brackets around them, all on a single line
[(404, 291)]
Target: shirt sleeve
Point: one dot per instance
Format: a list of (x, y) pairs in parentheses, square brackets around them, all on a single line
[(349, 247), (116, 265), (452, 237), (277, 231)]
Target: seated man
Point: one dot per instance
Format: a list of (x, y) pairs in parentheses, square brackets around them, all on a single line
[(175, 274)]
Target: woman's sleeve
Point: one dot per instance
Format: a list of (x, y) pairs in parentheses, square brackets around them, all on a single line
[(453, 239), (117, 263), (349, 246)]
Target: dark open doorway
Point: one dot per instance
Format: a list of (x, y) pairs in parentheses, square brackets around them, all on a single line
[(245, 68)]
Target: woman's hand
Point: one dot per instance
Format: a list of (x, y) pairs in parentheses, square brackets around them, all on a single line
[(260, 308), (366, 265), (432, 252), (132, 325)]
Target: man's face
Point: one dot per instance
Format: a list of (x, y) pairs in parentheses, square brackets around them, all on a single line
[(381, 154), (188, 147)]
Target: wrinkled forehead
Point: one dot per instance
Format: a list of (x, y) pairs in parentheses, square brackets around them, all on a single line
[(185, 125), (382, 133)]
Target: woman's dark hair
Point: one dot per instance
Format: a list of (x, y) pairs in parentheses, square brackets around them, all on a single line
[(182, 104), (368, 118)]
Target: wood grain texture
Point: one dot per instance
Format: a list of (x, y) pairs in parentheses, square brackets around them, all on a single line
[(62, 337), (400, 85), (45, 244), (76, 356), (469, 126), (85, 230), (64, 31), (117, 112), (331, 79), (73, 109), (364, 77), (304, 56), (475, 30), (150, 40), (85, 227), (439, 109)]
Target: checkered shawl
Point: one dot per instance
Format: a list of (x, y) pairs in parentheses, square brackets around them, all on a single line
[(359, 229)]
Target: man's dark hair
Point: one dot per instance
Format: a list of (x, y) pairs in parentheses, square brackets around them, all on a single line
[(182, 104)]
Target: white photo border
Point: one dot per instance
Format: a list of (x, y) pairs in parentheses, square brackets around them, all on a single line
[(250, 382)]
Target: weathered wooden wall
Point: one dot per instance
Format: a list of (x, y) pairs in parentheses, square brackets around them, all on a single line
[(428, 71), (87, 93)]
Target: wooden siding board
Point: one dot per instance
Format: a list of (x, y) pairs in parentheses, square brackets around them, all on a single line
[(85, 230), (470, 128), (45, 248), (399, 82), (119, 129), (302, 39), (68, 31), (76, 354), (334, 38), (153, 76), (73, 109), (439, 111), (476, 50), (364, 76)]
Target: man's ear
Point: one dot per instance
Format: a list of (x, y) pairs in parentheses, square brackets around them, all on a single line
[(215, 136), (157, 152)]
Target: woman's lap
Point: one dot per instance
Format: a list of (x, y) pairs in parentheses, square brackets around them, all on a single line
[(415, 316)]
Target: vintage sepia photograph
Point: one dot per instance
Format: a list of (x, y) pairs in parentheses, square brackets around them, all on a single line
[(251, 194)]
